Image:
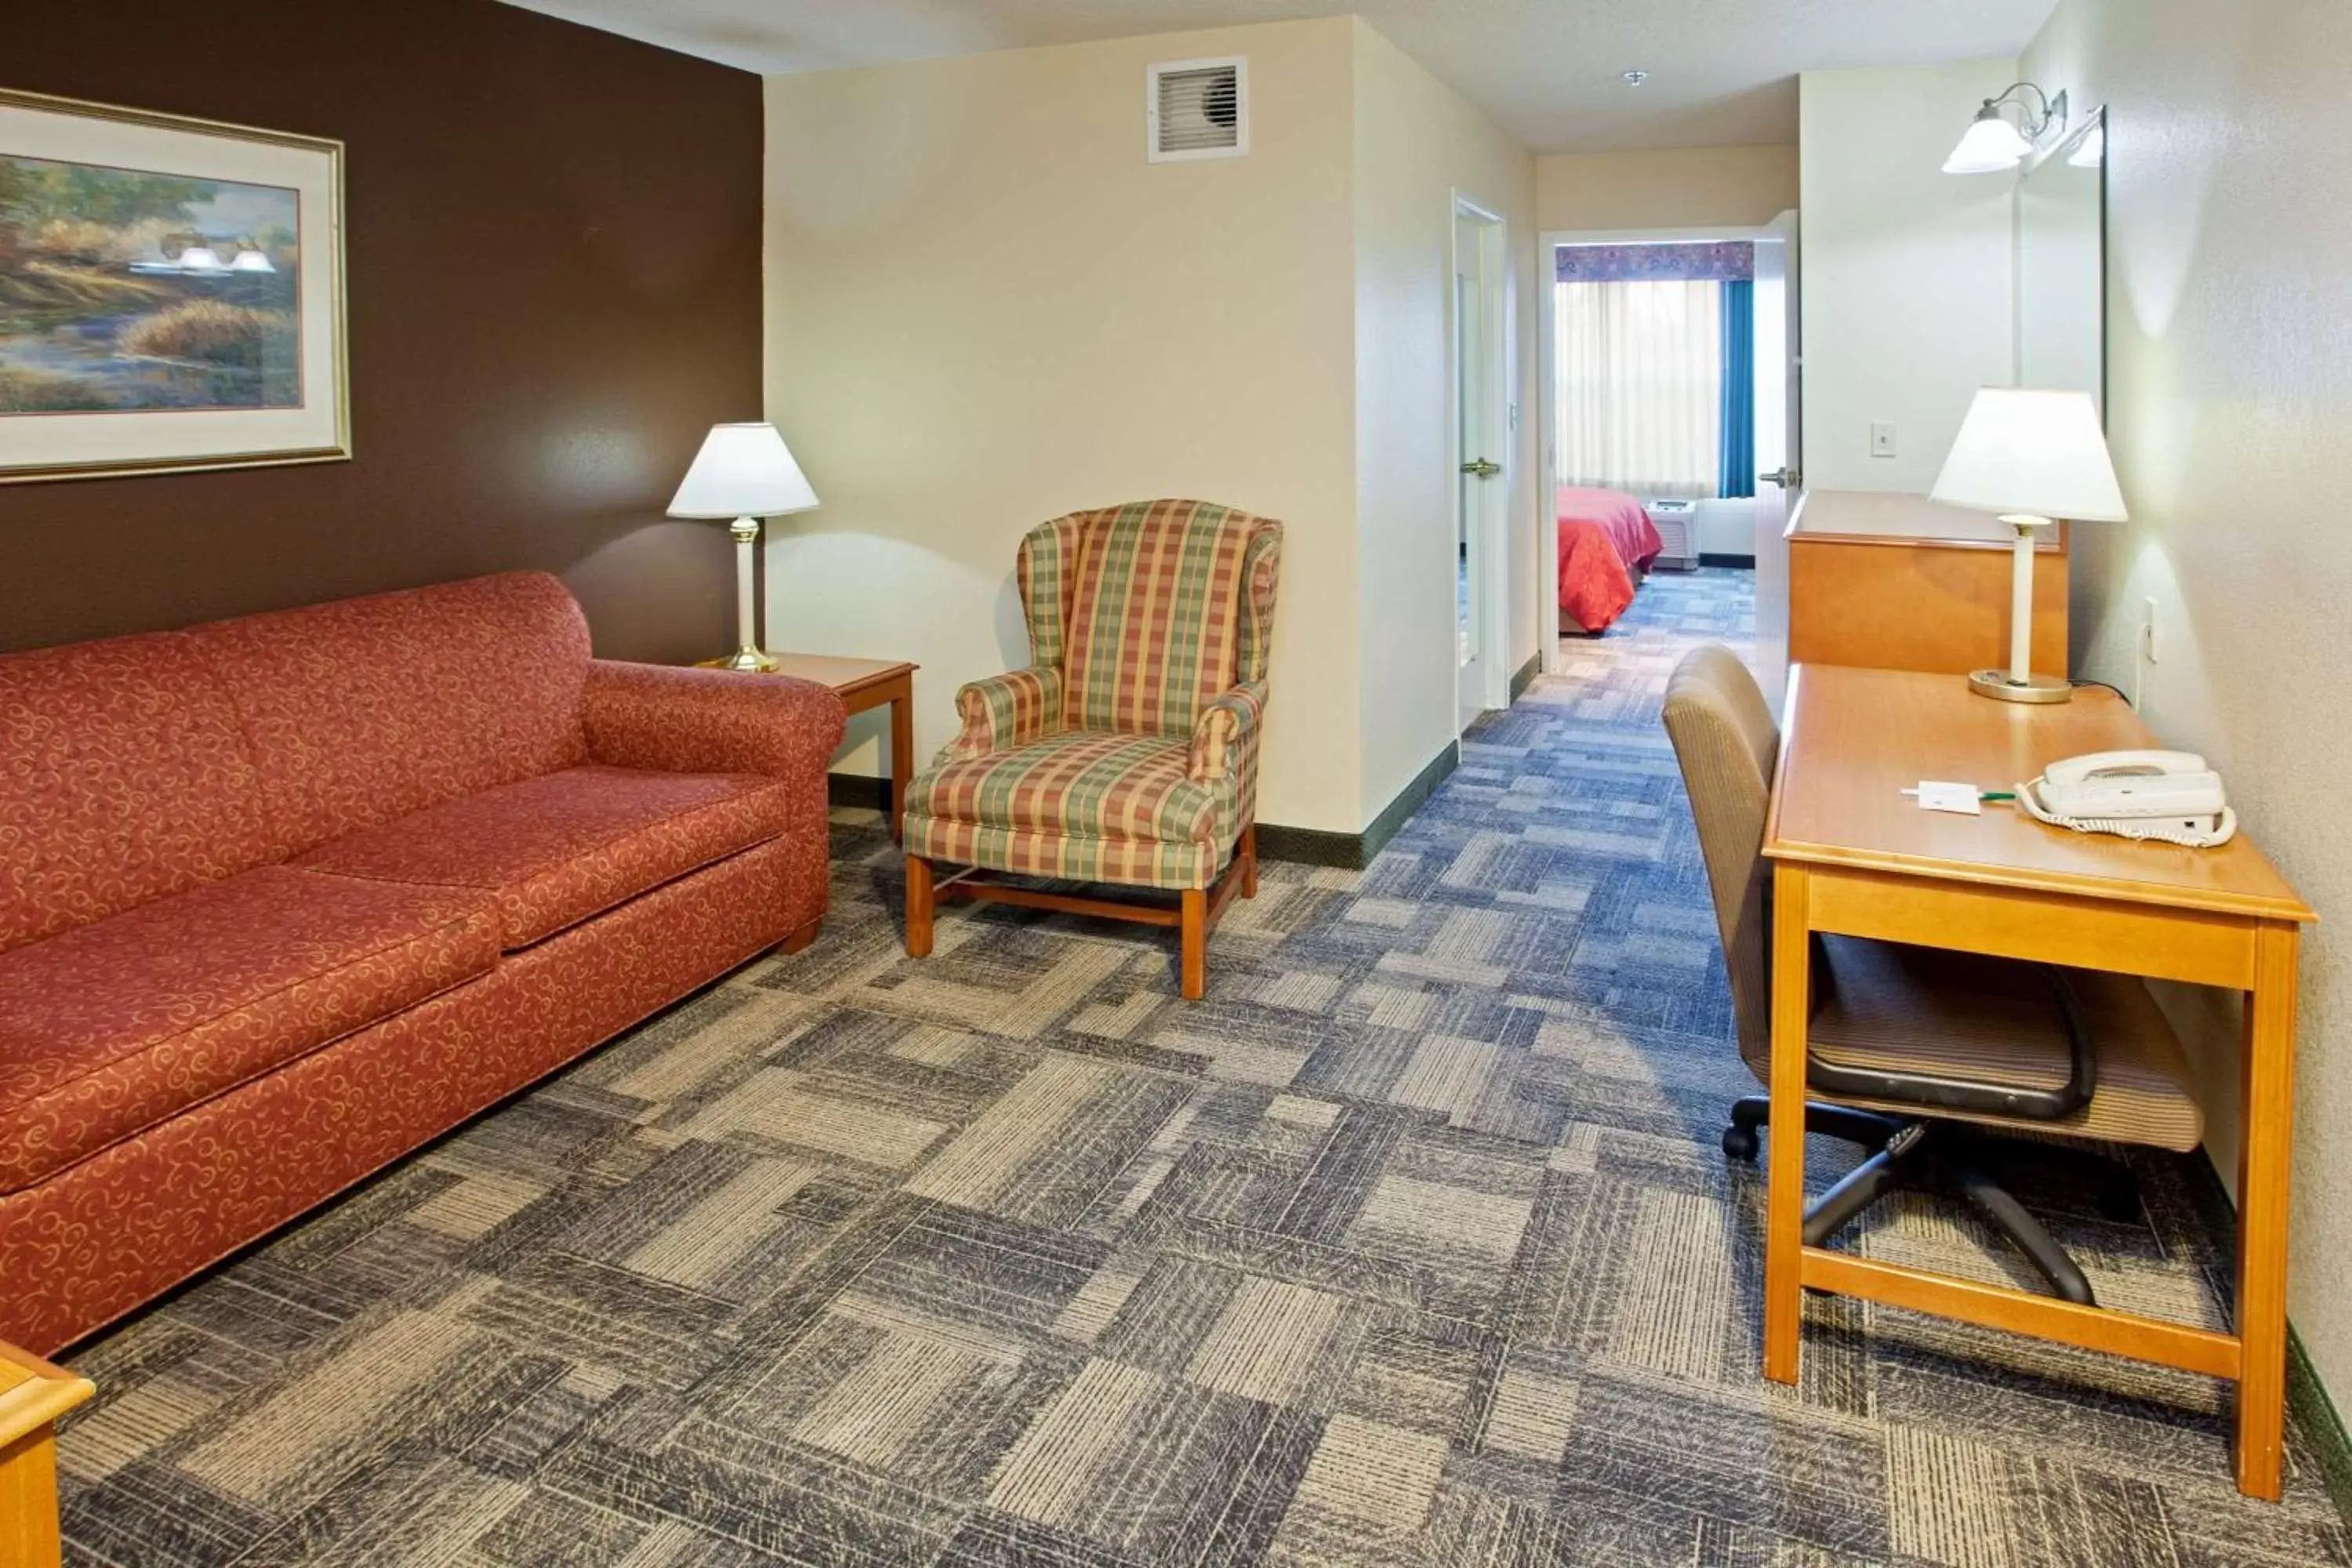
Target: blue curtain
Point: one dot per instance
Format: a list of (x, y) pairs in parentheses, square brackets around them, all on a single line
[(1737, 475)]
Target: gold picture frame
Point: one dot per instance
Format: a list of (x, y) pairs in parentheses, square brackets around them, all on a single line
[(172, 293)]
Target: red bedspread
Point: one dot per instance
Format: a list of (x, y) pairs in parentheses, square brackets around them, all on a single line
[(1605, 536)]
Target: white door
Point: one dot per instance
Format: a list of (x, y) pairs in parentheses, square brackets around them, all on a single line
[(1780, 445), (1479, 446)]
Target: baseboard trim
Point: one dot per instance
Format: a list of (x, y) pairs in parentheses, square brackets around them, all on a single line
[(1354, 851), (1710, 558), (1526, 676), (2308, 1407), (2308, 1404), (1310, 846), (857, 789)]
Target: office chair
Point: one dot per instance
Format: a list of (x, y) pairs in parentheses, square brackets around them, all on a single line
[(1910, 1044)]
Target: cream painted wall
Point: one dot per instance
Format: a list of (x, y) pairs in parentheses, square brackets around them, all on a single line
[(2230, 398), (985, 309), (1417, 144), (1685, 187), (1909, 299)]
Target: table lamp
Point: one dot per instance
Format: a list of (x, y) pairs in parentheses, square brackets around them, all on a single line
[(745, 472), (2033, 456)]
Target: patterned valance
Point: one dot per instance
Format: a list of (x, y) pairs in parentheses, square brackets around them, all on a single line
[(1696, 261)]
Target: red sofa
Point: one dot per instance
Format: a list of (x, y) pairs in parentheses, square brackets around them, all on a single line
[(283, 898)]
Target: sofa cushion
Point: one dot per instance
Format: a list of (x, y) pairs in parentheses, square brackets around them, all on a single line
[(555, 849), (363, 710), (112, 1027), (123, 778)]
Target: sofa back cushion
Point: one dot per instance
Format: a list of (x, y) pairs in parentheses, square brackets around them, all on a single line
[(365, 710), (123, 779), (1155, 615)]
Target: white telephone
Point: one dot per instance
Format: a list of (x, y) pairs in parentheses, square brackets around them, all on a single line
[(2170, 796)]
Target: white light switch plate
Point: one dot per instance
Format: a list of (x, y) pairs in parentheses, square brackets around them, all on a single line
[(1882, 437)]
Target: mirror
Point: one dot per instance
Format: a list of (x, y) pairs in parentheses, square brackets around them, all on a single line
[(2062, 269)]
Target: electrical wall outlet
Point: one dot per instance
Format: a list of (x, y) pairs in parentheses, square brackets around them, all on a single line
[(1882, 437), (2147, 630)]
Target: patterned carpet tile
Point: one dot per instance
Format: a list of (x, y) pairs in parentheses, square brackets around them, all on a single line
[(1411, 1245)]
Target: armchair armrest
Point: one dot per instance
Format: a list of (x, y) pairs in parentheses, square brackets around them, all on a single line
[(1224, 737), (669, 719), (1007, 710)]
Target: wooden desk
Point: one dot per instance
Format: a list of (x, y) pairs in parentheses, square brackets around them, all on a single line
[(1853, 855), (33, 1394), (861, 684)]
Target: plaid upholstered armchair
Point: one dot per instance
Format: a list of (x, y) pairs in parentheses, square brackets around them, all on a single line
[(1127, 751)]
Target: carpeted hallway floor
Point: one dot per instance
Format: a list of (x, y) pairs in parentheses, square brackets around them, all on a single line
[(1411, 1245)]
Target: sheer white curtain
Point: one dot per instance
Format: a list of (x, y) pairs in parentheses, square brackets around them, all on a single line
[(1640, 386)]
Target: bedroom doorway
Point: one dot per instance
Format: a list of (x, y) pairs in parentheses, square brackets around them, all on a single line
[(1480, 394), (1669, 356)]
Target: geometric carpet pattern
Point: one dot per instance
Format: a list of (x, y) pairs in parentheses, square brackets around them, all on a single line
[(1411, 1244)]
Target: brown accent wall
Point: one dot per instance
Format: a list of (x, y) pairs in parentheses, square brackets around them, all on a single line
[(553, 248)]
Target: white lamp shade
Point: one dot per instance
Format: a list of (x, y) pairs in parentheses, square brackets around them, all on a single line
[(742, 471), (1990, 145), (2033, 453)]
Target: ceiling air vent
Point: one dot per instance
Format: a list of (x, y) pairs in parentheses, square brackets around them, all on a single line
[(1198, 109)]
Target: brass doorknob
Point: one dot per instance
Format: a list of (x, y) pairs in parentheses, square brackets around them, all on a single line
[(1482, 468)]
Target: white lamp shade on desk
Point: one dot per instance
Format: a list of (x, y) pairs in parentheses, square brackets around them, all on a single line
[(742, 471), (2032, 456), (2031, 453)]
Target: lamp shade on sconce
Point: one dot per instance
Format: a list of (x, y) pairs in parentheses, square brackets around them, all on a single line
[(2038, 454), (1990, 145), (742, 471)]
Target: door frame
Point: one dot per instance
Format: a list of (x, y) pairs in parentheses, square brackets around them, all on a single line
[(1547, 394), (1491, 527)]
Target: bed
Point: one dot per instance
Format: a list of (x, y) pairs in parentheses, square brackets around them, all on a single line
[(1606, 539)]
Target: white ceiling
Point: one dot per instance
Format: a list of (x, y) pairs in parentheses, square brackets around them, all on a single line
[(1722, 71)]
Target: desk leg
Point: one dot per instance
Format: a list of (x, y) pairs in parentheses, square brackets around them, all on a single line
[(1784, 1201), (2266, 1129), (902, 754)]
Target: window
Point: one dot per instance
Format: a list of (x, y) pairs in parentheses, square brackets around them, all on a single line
[(1639, 388)]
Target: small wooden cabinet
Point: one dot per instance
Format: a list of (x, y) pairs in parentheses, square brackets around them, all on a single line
[(1936, 604)]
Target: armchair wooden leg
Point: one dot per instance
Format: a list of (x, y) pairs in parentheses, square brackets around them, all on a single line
[(800, 939), (1249, 862), (1195, 930), (918, 907)]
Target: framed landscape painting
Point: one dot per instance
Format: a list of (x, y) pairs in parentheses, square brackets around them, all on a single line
[(171, 293)]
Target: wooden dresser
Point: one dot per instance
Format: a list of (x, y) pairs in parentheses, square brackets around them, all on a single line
[(1939, 604)]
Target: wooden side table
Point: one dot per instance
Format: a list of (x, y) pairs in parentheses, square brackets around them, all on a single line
[(861, 684), (33, 1394)]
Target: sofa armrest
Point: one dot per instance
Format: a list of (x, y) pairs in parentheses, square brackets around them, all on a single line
[(670, 719), (1007, 710), (1224, 737)]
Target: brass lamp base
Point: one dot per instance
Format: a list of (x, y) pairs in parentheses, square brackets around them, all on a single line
[(750, 658), (1997, 684)]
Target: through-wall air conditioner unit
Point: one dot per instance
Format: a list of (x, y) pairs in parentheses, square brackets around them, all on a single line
[(1197, 108), (1677, 524)]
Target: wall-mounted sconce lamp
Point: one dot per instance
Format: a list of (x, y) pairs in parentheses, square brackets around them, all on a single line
[(1993, 143)]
